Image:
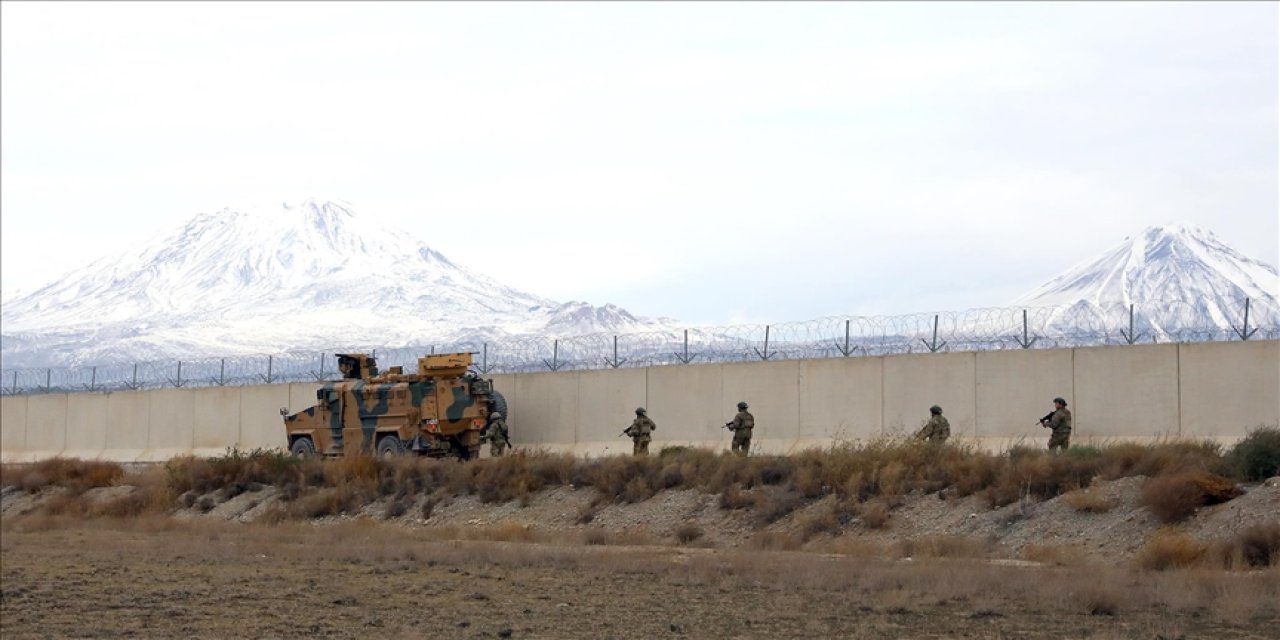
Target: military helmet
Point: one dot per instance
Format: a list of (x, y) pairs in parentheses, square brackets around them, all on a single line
[(495, 415), (742, 405), (1060, 401), (640, 411), (935, 410)]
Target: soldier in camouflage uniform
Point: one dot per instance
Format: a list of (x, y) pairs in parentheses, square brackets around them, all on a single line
[(741, 425), (1060, 422), (937, 429), (497, 434), (640, 431)]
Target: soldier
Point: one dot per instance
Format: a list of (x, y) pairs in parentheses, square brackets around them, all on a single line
[(937, 429), (496, 432), (640, 431), (741, 425), (1060, 421)]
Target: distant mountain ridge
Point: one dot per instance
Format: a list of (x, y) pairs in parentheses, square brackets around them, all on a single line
[(312, 275), (1181, 275), (318, 276)]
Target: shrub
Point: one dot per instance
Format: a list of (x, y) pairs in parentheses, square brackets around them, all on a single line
[(874, 514), (775, 541), (1170, 550), (76, 475), (1256, 457), (688, 532), (774, 503), (1175, 497), (1089, 501), (1260, 544), (823, 519)]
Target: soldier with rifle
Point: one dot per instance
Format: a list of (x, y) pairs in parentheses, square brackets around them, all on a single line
[(937, 429), (639, 432), (741, 426), (496, 433), (1060, 421)]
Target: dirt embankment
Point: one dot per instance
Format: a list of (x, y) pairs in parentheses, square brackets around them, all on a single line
[(1056, 529)]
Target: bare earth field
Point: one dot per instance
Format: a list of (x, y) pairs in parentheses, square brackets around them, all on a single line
[(159, 578), (905, 542)]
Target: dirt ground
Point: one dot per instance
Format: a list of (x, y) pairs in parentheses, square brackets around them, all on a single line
[(160, 577)]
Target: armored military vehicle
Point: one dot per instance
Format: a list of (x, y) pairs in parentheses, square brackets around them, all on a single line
[(438, 411)]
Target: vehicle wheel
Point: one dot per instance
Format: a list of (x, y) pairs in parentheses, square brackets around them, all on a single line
[(303, 448), (469, 453), (390, 446), (499, 404)]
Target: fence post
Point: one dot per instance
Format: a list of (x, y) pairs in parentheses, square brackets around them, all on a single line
[(1244, 331), (222, 373), (48, 380), (15, 382), (766, 354), (134, 386), (616, 361), (178, 384), (846, 349), (935, 345), (270, 362), (1025, 342), (93, 378), (1131, 337)]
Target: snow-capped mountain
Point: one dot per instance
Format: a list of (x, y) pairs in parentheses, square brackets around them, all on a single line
[(1179, 277), (314, 275)]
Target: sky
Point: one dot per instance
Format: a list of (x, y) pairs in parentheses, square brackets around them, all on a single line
[(716, 163)]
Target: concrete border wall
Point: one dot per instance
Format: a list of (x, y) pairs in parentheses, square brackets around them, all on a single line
[(1214, 390)]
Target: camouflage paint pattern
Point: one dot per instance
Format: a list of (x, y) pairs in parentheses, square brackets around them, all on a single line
[(438, 411)]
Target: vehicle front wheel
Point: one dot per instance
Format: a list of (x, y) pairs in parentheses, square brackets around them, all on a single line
[(390, 446), (303, 448)]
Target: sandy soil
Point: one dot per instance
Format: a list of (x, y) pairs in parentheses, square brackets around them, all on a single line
[(161, 578)]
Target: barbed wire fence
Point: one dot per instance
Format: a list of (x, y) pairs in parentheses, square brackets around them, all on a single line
[(1076, 325)]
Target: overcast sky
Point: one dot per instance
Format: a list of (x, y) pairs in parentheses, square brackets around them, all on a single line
[(714, 163)]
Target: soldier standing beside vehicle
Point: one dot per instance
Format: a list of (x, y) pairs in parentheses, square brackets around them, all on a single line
[(640, 431), (496, 432), (937, 429), (741, 425), (1060, 421)]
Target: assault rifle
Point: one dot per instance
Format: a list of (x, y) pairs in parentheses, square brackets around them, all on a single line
[(1044, 422)]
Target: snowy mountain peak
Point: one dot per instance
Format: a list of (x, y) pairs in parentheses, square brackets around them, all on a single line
[(262, 280), (1172, 263)]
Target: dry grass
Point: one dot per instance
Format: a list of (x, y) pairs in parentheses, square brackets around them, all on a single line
[(688, 532), (76, 476), (874, 514), (1174, 497), (1171, 549), (874, 475), (1089, 501)]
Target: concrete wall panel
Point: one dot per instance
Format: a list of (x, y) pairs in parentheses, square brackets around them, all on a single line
[(13, 428), (913, 383), (1017, 387), (260, 424), (301, 396), (772, 391), (547, 410), (687, 402), (1126, 391), (86, 425), (46, 426), (217, 420), (840, 400), (128, 424), (172, 424), (1229, 388), (608, 401)]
